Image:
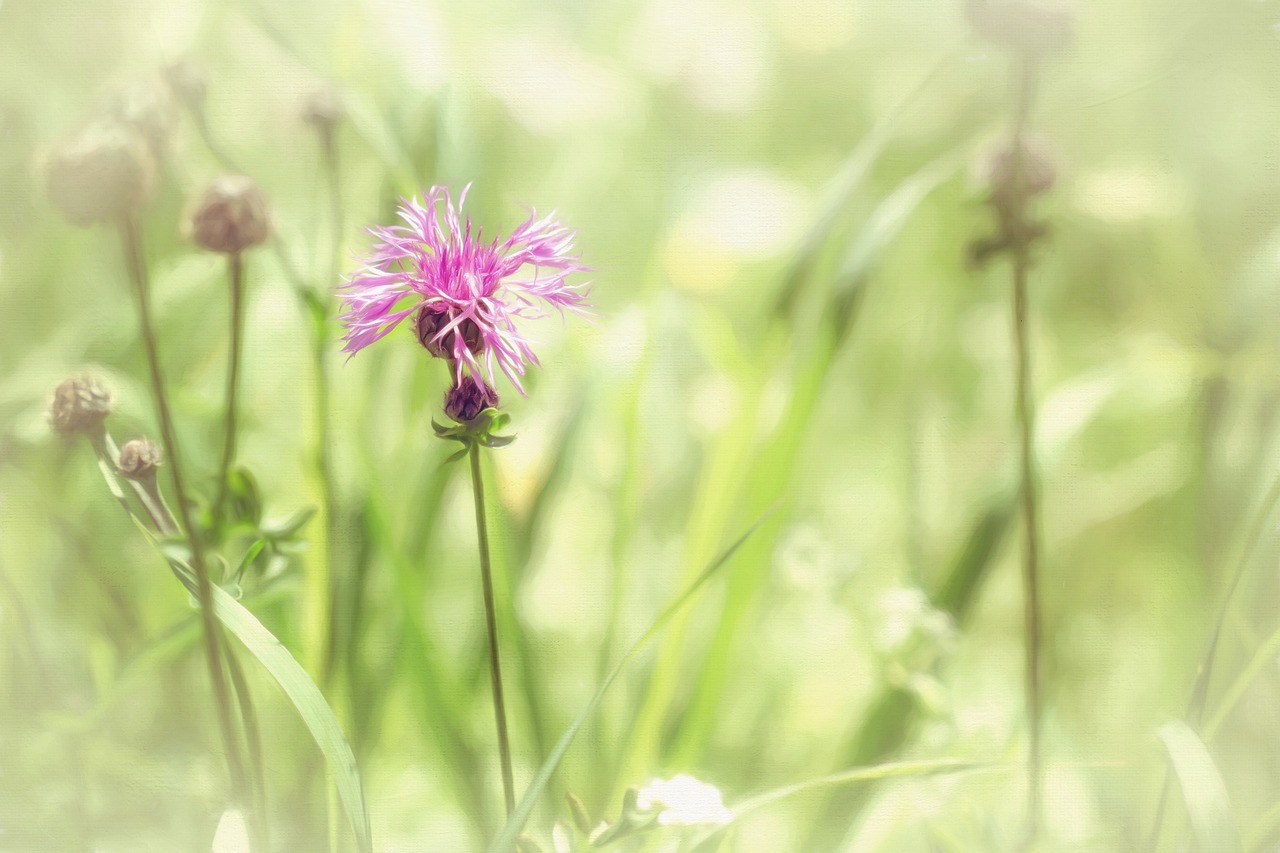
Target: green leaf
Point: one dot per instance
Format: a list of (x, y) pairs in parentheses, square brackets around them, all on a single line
[(302, 692), (246, 497), (310, 705), (291, 526), (249, 556), (1203, 790), (504, 841)]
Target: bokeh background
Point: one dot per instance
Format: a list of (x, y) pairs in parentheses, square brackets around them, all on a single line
[(777, 200)]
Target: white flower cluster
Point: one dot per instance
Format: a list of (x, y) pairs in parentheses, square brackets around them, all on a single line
[(684, 801)]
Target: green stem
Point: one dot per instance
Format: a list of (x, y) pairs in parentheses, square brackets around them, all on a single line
[(131, 238), (1026, 433), (149, 496), (316, 308), (334, 636), (253, 739), (147, 489), (235, 268), (491, 625)]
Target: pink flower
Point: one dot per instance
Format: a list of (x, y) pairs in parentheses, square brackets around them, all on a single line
[(467, 293)]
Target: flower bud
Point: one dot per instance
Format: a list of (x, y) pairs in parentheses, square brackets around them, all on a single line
[(146, 105), (1032, 175), (80, 405), (187, 80), (324, 110), (468, 398), (231, 216), (1033, 27), (139, 459), (431, 319), (100, 173)]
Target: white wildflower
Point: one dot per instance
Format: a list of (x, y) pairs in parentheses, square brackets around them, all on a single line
[(684, 801)]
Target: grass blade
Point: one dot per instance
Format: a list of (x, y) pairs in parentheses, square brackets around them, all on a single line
[(1262, 660), (1203, 790), (515, 824), (853, 776), (302, 692), (884, 223), (310, 705), (848, 180)]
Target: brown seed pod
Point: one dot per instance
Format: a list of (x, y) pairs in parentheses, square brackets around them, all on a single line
[(139, 459), (230, 216), (100, 173), (80, 405)]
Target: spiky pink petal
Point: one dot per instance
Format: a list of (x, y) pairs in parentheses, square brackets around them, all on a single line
[(433, 259)]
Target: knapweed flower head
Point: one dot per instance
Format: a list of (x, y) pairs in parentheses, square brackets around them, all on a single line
[(100, 173), (80, 405), (139, 459), (473, 407), (230, 216), (465, 293), (467, 398)]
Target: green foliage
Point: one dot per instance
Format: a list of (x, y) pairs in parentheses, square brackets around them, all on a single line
[(777, 201)]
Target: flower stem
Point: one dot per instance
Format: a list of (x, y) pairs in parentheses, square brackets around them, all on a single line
[(253, 740), (147, 490), (1020, 253), (131, 237), (491, 624), (319, 305), (235, 269)]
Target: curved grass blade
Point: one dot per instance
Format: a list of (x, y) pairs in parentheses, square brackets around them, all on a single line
[(848, 180), (852, 776), (1262, 660), (302, 692), (1263, 830), (1203, 790), (287, 672), (881, 227), (503, 843)]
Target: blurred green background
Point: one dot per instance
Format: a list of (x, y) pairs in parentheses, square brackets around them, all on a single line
[(776, 199)]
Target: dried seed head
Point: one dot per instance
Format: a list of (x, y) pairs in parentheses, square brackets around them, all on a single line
[(188, 81), (139, 459), (1032, 27), (468, 398), (80, 405), (231, 216), (100, 173), (324, 110), (429, 322), (1029, 174), (147, 106)]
